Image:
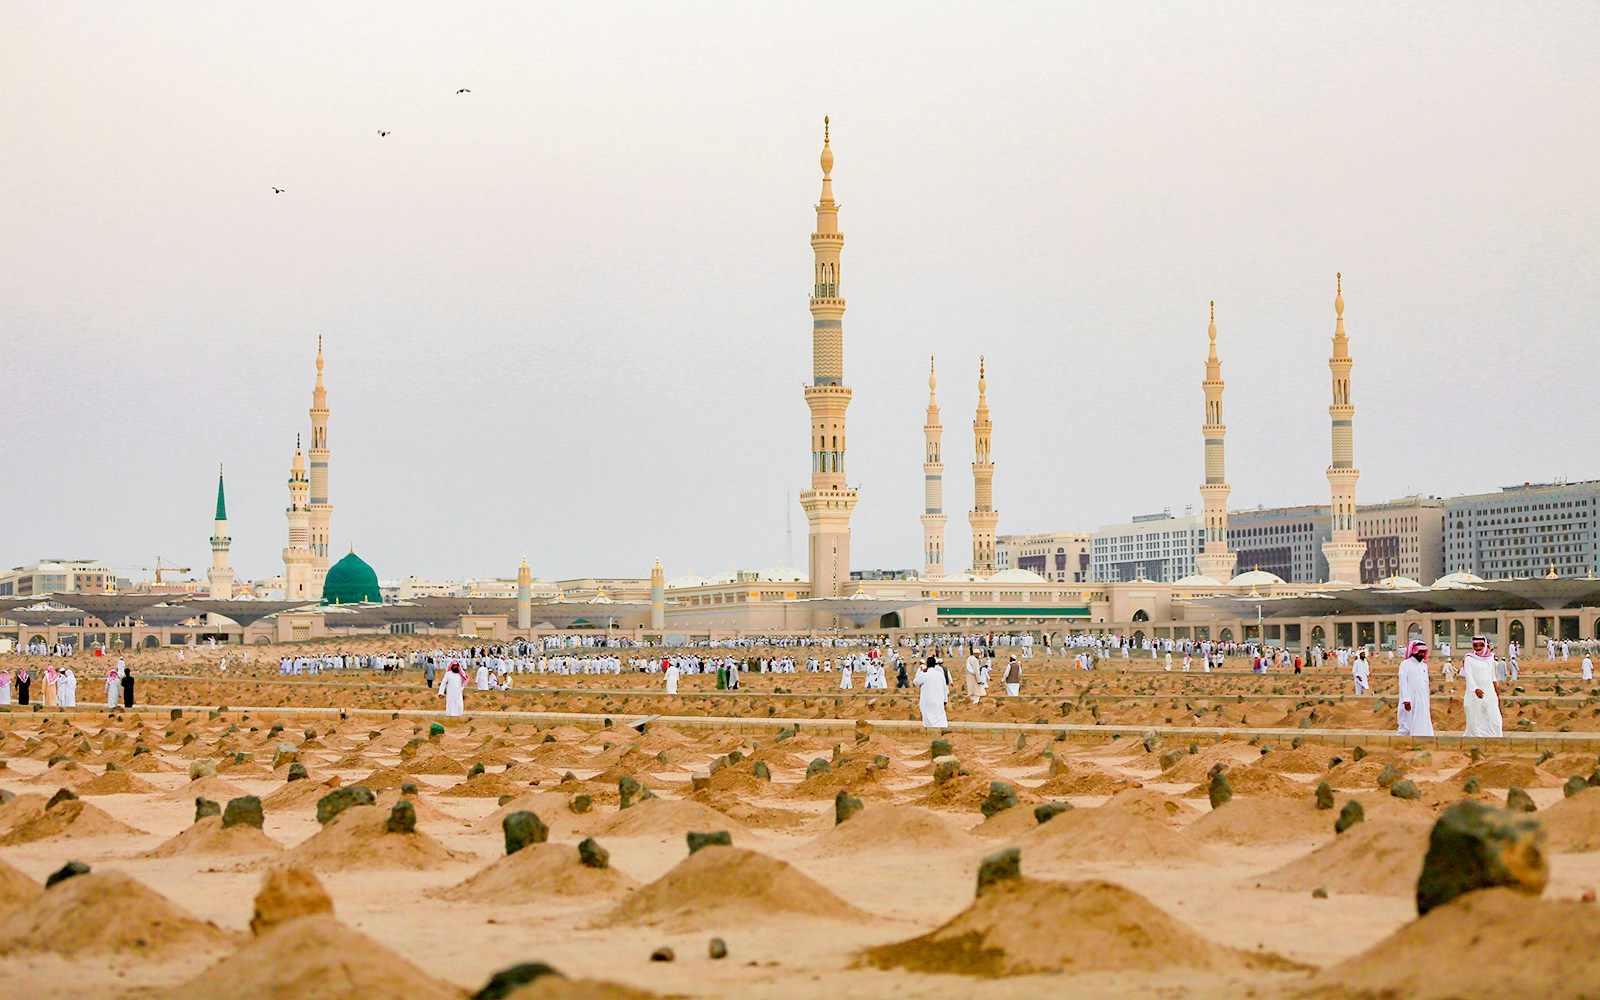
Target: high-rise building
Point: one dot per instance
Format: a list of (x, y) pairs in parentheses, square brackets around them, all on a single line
[(830, 500), (983, 517), (1287, 542), (1343, 549), (220, 576), (933, 518), (1528, 530), (1404, 538), (1058, 556), (1156, 547), (1214, 560)]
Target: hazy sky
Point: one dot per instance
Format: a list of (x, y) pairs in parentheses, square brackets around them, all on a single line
[(566, 313)]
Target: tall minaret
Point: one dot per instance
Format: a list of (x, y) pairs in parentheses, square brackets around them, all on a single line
[(983, 517), (829, 501), (1344, 550), (933, 487), (321, 509), (658, 596), (524, 595), (1214, 559), (297, 558), (220, 576)]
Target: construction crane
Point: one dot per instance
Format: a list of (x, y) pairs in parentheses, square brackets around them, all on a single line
[(163, 565)]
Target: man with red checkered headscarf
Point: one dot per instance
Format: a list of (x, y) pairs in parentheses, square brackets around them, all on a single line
[(1415, 714)]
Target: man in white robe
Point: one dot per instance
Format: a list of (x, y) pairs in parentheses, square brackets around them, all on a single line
[(671, 676), (1362, 673), (1481, 699), (974, 665), (846, 674), (1588, 667), (935, 692), (451, 687), (483, 676), (1013, 677), (1415, 714)]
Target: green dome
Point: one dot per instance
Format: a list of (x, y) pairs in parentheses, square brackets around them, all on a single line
[(351, 581)]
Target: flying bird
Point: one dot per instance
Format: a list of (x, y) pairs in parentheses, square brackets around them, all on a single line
[(277, 190), (463, 90), (381, 132)]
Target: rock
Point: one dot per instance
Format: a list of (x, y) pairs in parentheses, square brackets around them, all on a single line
[(945, 768), (784, 734), (998, 867), (838, 754), (505, 982), (435, 729), (340, 799), (298, 772), (761, 770), (66, 871), (1594, 778), (1518, 800), (1000, 798), (1405, 788), (243, 811), (1151, 741), (286, 755), (581, 802), (408, 789), (201, 768), (1220, 791), (309, 733), (592, 855), (523, 828), (1171, 758), (663, 954), (844, 806), (402, 818), (881, 762), (717, 949), (718, 838), (1574, 785), (1472, 785), (1388, 776), (204, 807), (1022, 741), (1352, 813), (662, 758), (1324, 796), (1319, 893), (628, 788), (942, 748), (1475, 754), (61, 795), (700, 781), (1474, 846), (288, 894), (475, 770), (1050, 810), (818, 766), (1359, 753)]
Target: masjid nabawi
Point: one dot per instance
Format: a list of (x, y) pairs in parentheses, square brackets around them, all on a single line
[(1211, 602)]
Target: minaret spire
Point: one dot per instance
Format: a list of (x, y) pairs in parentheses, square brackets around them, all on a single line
[(220, 576), (1344, 549), (297, 556), (1214, 559), (983, 517), (830, 500), (320, 510), (933, 518)]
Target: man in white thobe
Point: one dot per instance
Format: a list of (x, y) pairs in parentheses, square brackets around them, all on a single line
[(451, 687), (935, 692), (483, 677), (1481, 699), (846, 674), (974, 665), (1362, 673), (1415, 714), (671, 676), (1588, 667), (1013, 677)]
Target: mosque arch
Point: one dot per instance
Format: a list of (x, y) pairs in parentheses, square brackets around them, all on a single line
[(1318, 636), (1414, 632), (1138, 637), (36, 640), (150, 642), (890, 620), (1141, 615), (262, 640), (1226, 635), (1516, 632)]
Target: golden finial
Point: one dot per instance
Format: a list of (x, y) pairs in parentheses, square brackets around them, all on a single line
[(983, 384), (319, 352), (824, 130), (932, 380), (1338, 296), (1211, 331)]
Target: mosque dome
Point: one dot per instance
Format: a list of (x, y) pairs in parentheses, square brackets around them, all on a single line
[(1199, 580), (1460, 578), (351, 581), (1398, 583), (1017, 576), (1256, 578)]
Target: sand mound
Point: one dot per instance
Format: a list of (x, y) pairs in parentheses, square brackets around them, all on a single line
[(104, 911), (208, 837), (70, 819), (1505, 773), (210, 787), (1007, 825), (315, 958), (1252, 782), (966, 792), (1082, 778), (1109, 835), (299, 794), (1156, 805), (554, 988), (552, 810), (860, 776), (664, 817), (16, 888), (1574, 824), (356, 839), (1265, 822), (1486, 945), (116, 783), (728, 885), (1376, 858), (22, 809), (535, 871), (389, 777), (1016, 928), (884, 827), (1196, 766), (487, 785), (1301, 761)]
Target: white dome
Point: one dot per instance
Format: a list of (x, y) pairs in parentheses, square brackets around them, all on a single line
[(1199, 580), (1398, 583), (1461, 578), (687, 580), (1256, 578), (781, 574), (1017, 576)]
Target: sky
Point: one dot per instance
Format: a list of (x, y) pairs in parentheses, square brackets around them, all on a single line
[(565, 313)]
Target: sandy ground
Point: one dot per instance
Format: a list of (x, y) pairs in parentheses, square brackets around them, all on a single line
[(908, 874)]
